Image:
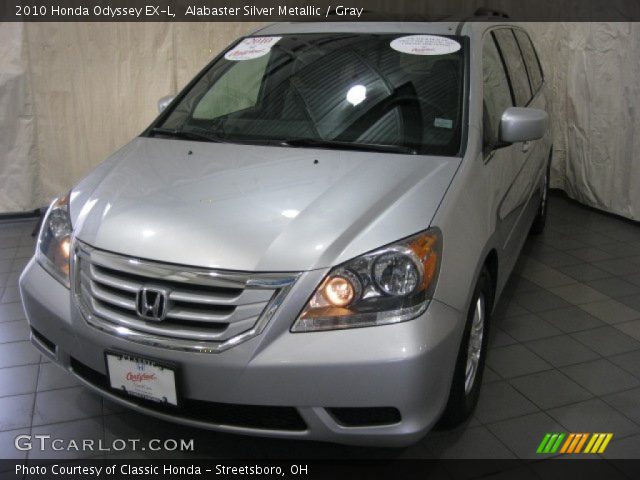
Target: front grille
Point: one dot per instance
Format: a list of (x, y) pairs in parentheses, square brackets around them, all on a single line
[(206, 311), (249, 416)]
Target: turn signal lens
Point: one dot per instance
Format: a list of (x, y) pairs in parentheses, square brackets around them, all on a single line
[(424, 248)]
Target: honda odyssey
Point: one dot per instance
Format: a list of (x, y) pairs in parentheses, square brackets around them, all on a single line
[(309, 240)]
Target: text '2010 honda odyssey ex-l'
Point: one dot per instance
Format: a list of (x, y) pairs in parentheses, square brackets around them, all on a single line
[(309, 240)]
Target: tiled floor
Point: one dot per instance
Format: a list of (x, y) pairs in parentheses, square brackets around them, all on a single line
[(564, 356)]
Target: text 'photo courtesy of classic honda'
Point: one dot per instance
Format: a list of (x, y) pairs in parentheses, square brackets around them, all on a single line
[(309, 240)]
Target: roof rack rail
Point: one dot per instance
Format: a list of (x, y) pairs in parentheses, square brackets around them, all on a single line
[(489, 12)]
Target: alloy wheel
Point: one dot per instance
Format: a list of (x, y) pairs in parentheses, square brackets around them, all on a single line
[(474, 349)]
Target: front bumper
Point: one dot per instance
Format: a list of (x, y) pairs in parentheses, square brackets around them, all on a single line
[(406, 366)]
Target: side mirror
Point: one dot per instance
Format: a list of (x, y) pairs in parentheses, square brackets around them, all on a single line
[(523, 124), (164, 102)]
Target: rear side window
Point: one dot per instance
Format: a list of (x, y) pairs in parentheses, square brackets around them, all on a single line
[(496, 96), (515, 65), (530, 59)]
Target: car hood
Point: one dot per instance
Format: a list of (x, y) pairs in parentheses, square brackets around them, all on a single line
[(255, 208)]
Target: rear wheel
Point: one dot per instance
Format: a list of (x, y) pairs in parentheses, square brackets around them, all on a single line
[(541, 218), (467, 378)]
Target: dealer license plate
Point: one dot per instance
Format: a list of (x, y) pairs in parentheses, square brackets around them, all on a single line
[(142, 378)]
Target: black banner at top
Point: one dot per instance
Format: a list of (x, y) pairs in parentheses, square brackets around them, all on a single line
[(316, 10)]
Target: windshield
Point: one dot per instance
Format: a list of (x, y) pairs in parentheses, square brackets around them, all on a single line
[(333, 90)]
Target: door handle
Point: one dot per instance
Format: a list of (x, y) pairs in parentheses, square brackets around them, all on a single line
[(525, 146)]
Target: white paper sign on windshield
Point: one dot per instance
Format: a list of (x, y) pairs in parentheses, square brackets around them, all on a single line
[(425, 45), (252, 47)]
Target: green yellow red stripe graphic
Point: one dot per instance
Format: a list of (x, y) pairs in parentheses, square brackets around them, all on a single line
[(572, 443)]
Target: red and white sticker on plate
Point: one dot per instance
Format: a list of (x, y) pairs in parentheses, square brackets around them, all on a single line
[(425, 45), (142, 378), (252, 47)]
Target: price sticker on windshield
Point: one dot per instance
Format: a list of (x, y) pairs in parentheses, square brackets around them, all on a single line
[(425, 45), (252, 47)]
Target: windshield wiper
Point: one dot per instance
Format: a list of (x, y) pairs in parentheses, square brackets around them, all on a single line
[(339, 145), (188, 134)]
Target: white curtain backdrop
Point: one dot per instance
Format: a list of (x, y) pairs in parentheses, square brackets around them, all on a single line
[(593, 72), (18, 158), (72, 93)]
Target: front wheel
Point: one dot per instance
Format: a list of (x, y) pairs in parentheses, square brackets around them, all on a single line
[(467, 377)]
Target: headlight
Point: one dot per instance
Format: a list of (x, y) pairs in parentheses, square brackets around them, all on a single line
[(54, 243), (389, 285)]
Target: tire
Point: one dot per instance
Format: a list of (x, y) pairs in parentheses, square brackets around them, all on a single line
[(467, 378), (537, 227)]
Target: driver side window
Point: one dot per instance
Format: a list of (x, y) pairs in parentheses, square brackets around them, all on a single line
[(496, 92)]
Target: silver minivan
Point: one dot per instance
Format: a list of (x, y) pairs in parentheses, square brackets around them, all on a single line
[(309, 240)]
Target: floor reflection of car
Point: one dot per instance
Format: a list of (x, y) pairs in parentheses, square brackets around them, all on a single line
[(309, 240)]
